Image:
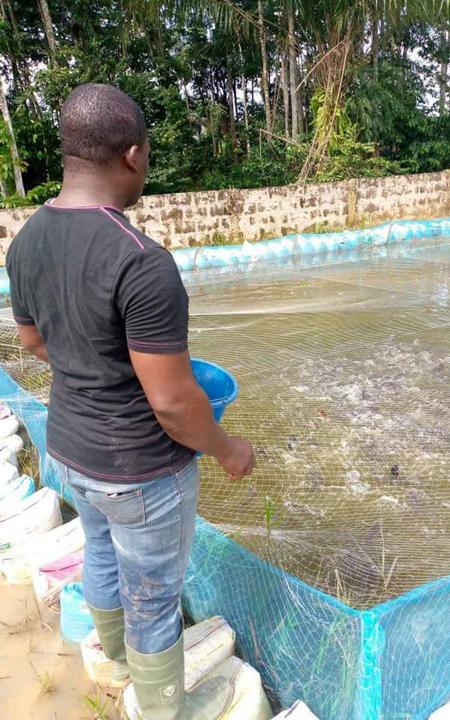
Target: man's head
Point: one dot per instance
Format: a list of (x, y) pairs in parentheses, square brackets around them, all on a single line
[(103, 131)]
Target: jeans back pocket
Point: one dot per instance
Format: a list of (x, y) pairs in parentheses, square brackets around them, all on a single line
[(125, 508)]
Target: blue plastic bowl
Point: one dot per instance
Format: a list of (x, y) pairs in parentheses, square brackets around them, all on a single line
[(220, 386)]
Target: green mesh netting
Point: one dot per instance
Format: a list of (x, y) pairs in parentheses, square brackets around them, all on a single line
[(331, 561)]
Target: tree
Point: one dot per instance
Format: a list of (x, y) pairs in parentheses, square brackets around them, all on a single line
[(224, 85), (15, 159), (48, 27), (265, 88)]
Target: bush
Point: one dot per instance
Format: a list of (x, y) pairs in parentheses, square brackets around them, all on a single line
[(36, 196), (354, 159)]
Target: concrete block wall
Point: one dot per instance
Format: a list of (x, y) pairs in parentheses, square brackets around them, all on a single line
[(185, 219)]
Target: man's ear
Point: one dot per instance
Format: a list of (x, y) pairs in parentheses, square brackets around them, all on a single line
[(131, 158)]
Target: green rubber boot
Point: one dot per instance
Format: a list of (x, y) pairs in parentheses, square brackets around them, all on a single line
[(111, 632), (157, 692)]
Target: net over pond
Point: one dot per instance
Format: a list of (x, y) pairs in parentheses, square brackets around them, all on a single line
[(332, 561)]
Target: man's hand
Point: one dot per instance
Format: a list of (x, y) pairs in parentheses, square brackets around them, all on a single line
[(184, 411), (239, 460)]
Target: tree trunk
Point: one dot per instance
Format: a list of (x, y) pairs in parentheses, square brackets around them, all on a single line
[(186, 100), (48, 26), (443, 77), (244, 99), (18, 181), (292, 70), (375, 47), (230, 96), (12, 18), (300, 110), (285, 73), (265, 65), (245, 108)]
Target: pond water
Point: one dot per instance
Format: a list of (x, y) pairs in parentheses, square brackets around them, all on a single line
[(344, 372)]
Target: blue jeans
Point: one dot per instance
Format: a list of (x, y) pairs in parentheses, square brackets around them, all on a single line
[(138, 541)]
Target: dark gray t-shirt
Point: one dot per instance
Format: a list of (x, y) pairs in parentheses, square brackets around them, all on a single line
[(94, 287)]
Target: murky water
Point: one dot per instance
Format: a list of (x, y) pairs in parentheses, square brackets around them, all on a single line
[(344, 372)]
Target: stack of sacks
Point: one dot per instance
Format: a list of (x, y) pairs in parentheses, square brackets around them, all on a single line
[(203, 660), (9, 424), (249, 699), (12, 487), (206, 645), (20, 562), (13, 492), (299, 711), (30, 518), (49, 578), (36, 514), (9, 447)]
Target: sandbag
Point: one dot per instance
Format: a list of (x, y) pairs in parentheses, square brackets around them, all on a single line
[(206, 645), (8, 455), (34, 515), (8, 426), (249, 700), (299, 711), (13, 442), (6, 489), (442, 714), (13, 493), (8, 472), (49, 578), (76, 620), (19, 563), (4, 411)]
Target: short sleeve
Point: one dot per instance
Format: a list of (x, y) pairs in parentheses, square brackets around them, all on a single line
[(153, 303), (21, 314)]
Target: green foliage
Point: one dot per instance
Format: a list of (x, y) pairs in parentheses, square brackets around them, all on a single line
[(177, 61), (352, 159), (12, 200), (5, 155), (36, 196), (39, 194)]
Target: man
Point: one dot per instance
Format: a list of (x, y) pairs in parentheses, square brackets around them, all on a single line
[(105, 306)]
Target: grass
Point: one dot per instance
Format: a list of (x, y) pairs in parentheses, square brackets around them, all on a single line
[(28, 460), (45, 680), (98, 707), (268, 515)]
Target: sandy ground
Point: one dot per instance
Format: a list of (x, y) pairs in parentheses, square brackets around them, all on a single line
[(41, 676)]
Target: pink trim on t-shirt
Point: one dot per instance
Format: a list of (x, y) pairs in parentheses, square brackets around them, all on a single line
[(128, 232), (49, 203), (104, 209)]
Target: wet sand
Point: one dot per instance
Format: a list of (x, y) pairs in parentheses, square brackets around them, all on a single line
[(41, 676)]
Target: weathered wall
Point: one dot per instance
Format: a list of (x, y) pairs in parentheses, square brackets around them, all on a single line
[(217, 216)]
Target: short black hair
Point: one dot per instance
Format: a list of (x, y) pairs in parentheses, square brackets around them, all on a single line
[(99, 123)]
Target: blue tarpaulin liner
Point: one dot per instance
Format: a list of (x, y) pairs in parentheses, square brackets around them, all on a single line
[(387, 662)]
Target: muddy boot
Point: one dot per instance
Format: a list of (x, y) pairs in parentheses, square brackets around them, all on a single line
[(111, 632), (157, 692)]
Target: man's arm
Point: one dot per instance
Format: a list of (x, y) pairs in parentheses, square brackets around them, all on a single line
[(32, 341), (184, 411)]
